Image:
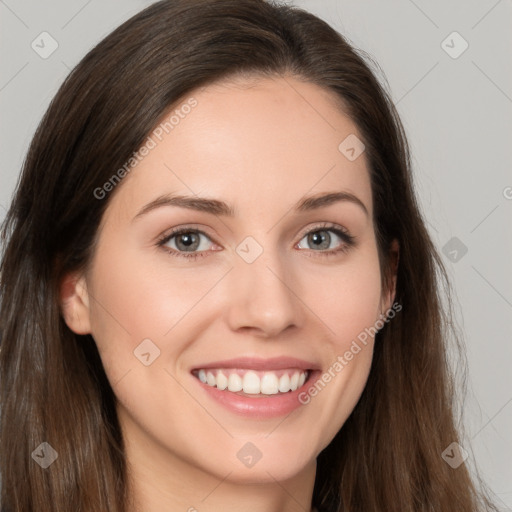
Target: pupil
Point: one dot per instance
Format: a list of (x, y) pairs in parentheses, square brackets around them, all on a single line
[(187, 239), (319, 238)]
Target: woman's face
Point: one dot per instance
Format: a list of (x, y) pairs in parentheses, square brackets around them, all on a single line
[(278, 290)]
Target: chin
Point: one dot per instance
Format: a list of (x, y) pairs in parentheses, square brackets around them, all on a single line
[(263, 460)]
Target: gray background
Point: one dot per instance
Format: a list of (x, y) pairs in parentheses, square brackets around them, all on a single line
[(457, 111)]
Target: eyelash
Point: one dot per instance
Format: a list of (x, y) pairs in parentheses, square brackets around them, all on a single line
[(349, 241)]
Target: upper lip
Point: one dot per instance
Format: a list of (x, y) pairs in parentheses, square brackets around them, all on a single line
[(260, 364)]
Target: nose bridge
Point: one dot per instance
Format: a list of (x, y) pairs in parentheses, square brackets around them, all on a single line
[(262, 295)]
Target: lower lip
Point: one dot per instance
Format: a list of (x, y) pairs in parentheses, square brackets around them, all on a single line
[(270, 406)]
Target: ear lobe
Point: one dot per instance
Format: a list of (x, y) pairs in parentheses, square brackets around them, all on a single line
[(74, 303)]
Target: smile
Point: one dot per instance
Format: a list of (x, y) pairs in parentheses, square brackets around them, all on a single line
[(252, 382), (254, 387)]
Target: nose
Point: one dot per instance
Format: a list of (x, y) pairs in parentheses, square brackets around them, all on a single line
[(263, 296)]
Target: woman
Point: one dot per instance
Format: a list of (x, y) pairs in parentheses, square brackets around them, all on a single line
[(218, 292)]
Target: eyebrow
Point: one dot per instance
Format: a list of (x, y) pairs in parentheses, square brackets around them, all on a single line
[(216, 207)]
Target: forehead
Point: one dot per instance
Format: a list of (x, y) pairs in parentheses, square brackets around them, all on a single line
[(253, 143)]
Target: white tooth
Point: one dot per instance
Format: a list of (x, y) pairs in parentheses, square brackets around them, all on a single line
[(202, 376), (210, 379), (302, 379), (269, 384), (294, 381), (251, 383), (284, 383), (235, 382), (222, 381)]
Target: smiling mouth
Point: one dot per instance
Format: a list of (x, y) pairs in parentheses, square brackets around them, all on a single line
[(253, 383)]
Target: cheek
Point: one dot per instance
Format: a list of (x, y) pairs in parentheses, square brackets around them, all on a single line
[(132, 295), (137, 297), (349, 309), (130, 305), (357, 304), (348, 298)]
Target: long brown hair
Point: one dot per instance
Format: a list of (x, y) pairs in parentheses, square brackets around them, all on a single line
[(387, 456)]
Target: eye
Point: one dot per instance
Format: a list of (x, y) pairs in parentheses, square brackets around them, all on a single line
[(187, 240), (320, 238)]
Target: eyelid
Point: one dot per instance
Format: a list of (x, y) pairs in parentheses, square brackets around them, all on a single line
[(185, 228), (327, 226), (194, 227)]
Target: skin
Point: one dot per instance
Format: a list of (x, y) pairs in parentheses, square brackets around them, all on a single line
[(260, 145)]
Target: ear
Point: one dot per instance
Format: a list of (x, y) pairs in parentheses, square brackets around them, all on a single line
[(388, 296), (74, 303)]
